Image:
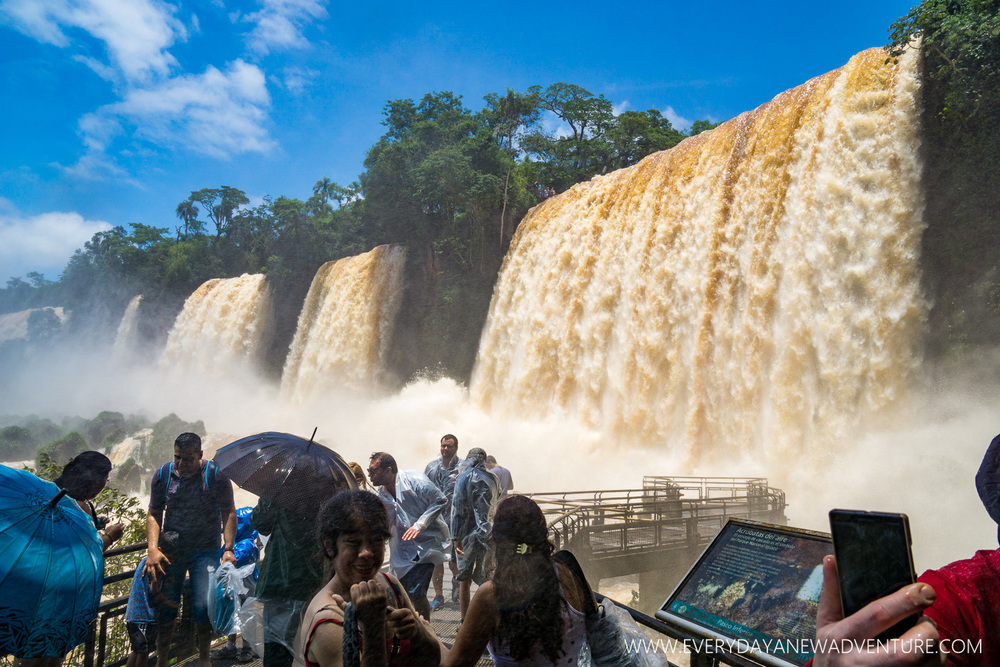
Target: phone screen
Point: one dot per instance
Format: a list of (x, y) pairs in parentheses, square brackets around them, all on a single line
[(873, 558)]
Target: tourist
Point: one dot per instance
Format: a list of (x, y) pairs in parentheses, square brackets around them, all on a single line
[(290, 574), (967, 609), (506, 483), (443, 471), (964, 599), (246, 551), (476, 493), (851, 641), (353, 527), (192, 497), (140, 616), (530, 611), (419, 533), (83, 479), (359, 475)]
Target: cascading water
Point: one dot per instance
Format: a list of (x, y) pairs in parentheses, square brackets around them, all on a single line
[(345, 325), (754, 289), (126, 340), (225, 325)]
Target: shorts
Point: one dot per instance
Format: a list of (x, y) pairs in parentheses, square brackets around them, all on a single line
[(417, 579), (197, 563), (474, 565), (141, 636)]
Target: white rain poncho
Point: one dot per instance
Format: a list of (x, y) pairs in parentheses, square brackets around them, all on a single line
[(476, 493), (444, 479), (418, 504)]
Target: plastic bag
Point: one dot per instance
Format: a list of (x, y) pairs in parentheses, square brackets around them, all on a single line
[(227, 585), (614, 639), (269, 621)]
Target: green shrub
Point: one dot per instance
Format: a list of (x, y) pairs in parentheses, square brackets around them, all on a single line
[(16, 443), (42, 430), (98, 428), (63, 449), (165, 431)]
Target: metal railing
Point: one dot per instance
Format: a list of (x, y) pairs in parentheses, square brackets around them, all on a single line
[(667, 512)]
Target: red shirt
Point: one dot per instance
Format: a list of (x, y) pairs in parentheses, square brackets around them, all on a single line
[(967, 609)]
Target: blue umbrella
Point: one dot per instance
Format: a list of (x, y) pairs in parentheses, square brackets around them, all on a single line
[(51, 567)]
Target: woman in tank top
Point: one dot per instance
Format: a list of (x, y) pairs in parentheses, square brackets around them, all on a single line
[(353, 528), (528, 614)]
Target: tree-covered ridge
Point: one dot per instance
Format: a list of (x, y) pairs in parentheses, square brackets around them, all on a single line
[(960, 45), (449, 183)]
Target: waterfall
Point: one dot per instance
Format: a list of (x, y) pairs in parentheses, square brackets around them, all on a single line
[(131, 447), (345, 326), (226, 324), (15, 325), (754, 289), (126, 340)]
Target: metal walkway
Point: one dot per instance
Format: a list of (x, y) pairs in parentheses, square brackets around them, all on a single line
[(668, 521)]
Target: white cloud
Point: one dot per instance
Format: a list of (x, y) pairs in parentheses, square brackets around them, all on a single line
[(554, 125), (678, 121), (218, 113), (42, 243), (279, 24), (296, 79), (136, 33), (616, 109)]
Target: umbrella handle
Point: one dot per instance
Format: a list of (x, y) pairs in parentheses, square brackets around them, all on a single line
[(55, 500)]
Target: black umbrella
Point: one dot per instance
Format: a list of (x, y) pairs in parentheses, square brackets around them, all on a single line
[(295, 474)]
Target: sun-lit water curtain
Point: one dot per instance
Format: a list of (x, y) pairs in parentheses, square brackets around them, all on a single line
[(127, 337), (754, 289), (225, 326), (345, 326)]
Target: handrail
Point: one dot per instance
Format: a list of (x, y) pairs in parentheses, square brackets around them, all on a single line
[(111, 615), (661, 506)]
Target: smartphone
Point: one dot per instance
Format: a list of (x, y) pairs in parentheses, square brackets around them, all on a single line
[(874, 559)]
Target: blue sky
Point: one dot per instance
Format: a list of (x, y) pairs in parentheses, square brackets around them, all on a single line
[(115, 110)]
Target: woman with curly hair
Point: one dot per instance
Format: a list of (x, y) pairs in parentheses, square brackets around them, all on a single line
[(83, 478), (353, 527), (529, 613)]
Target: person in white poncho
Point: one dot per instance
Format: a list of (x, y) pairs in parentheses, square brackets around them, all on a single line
[(420, 534)]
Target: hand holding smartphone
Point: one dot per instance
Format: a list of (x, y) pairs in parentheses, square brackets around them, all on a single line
[(873, 560)]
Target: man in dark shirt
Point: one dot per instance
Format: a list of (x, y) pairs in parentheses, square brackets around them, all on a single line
[(192, 497)]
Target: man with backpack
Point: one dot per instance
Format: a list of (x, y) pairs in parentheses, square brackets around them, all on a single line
[(192, 497)]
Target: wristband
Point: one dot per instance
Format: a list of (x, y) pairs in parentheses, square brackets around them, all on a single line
[(230, 549)]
